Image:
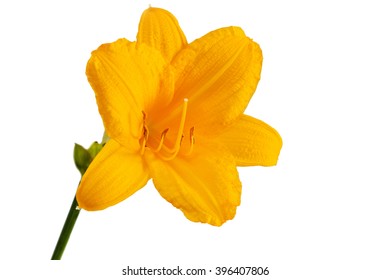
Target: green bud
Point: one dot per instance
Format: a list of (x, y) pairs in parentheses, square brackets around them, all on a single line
[(83, 157), (94, 149)]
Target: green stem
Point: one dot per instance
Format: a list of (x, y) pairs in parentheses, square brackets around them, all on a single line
[(70, 221)]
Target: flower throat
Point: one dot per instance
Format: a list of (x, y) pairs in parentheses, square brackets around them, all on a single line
[(161, 148)]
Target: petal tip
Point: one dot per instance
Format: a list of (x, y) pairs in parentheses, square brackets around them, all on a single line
[(160, 29)]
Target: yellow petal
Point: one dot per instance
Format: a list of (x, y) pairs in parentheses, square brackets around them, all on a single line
[(218, 73), (159, 29), (206, 187), (252, 142), (126, 80), (113, 176)]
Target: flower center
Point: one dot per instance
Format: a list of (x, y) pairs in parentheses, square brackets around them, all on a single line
[(160, 146)]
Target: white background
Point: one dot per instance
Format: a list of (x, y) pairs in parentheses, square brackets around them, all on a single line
[(321, 213)]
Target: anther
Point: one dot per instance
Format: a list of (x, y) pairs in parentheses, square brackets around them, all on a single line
[(192, 138), (144, 140), (143, 124), (192, 142)]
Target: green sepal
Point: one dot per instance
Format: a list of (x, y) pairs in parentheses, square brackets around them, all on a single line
[(82, 158)]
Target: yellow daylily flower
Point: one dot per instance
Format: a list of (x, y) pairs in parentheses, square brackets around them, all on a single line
[(174, 113)]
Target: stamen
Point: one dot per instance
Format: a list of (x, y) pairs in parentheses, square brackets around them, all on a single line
[(192, 142), (176, 146), (192, 138), (168, 153), (161, 141), (145, 139), (143, 124)]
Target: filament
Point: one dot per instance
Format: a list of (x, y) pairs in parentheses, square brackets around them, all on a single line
[(160, 145)]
